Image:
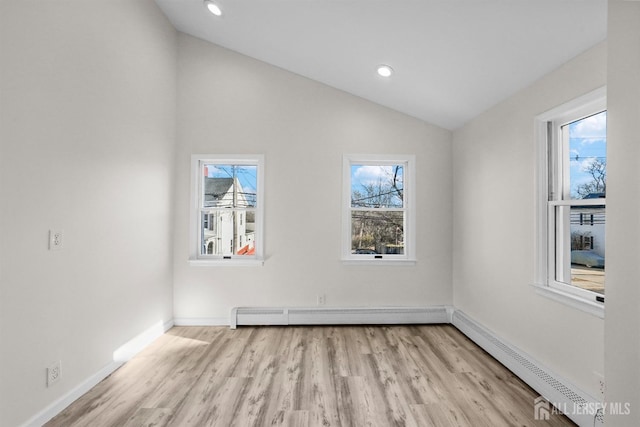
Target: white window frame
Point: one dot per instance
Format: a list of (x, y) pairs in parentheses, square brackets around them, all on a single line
[(409, 191), (197, 163), (547, 129)]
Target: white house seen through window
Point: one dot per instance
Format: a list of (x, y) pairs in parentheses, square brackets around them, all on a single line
[(229, 208)]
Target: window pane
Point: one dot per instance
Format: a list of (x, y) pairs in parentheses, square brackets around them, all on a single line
[(588, 157), (377, 186), (581, 258), (580, 237), (377, 232), (220, 191), (228, 232), (587, 247)]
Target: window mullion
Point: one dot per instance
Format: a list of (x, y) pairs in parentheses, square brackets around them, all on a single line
[(579, 202)]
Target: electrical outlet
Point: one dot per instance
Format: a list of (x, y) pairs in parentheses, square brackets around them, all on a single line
[(54, 373), (55, 240), (322, 299)]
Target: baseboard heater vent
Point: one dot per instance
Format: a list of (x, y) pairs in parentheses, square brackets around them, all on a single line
[(339, 316), (577, 405)]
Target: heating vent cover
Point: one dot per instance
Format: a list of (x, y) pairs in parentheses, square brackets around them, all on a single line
[(338, 316)]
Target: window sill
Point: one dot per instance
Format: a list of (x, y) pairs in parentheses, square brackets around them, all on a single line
[(378, 261), (234, 262), (591, 307)]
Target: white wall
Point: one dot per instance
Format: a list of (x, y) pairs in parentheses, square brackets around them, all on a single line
[(87, 127), (87, 110), (622, 326), (231, 104), (493, 243)]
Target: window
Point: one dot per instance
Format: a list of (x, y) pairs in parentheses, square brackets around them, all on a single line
[(378, 209), (227, 209), (572, 171)]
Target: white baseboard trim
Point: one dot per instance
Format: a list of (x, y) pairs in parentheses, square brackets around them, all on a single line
[(120, 356), (136, 344), (579, 406), (201, 321)]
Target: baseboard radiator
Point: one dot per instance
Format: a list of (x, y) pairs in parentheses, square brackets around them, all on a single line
[(577, 405), (339, 316)]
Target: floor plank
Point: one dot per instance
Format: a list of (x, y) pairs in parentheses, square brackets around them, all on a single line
[(341, 376)]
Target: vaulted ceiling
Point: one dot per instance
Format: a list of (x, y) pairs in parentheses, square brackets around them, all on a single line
[(452, 59)]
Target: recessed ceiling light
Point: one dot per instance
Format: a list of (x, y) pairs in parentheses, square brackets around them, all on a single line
[(385, 70), (213, 8)]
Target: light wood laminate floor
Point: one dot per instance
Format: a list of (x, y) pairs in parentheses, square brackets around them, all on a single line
[(356, 376)]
